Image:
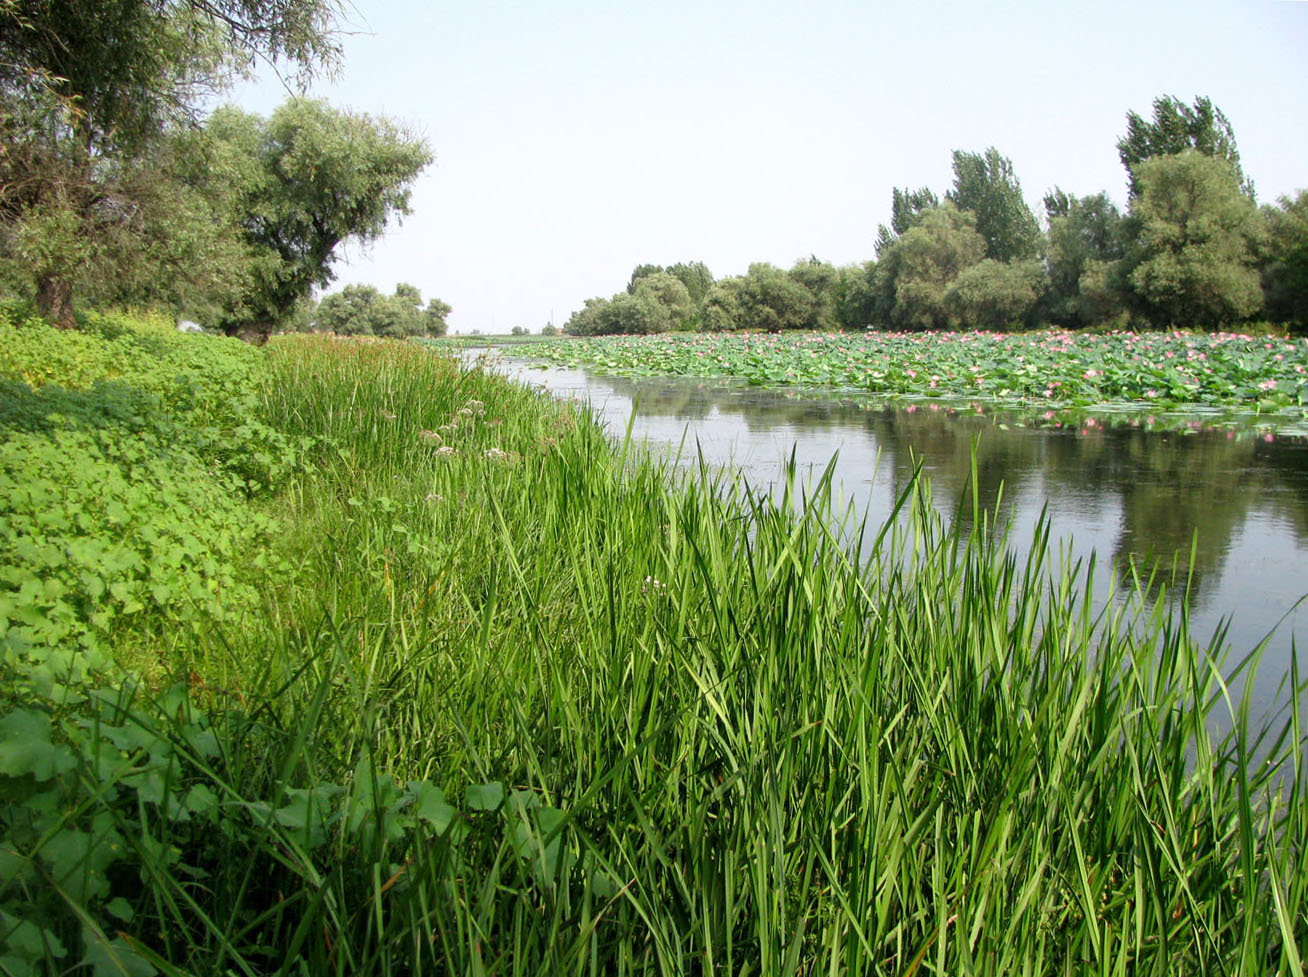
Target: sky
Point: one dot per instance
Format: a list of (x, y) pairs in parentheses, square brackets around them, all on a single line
[(574, 140)]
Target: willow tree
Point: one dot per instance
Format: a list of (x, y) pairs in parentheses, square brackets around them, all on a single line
[(90, 91), (1192, 260), (913, 277), (308, 178)]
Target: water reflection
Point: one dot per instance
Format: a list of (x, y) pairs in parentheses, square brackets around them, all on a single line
[(1168, 491), (1141, 497)]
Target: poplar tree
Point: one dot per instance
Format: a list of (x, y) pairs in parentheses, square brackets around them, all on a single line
[(985, 185)]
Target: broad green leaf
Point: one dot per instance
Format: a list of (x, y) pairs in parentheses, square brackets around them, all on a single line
[(485, 797), (25, 747)]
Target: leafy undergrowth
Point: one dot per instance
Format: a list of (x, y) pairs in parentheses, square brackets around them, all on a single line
[(130, 460), (1051, 369), (512, 700)]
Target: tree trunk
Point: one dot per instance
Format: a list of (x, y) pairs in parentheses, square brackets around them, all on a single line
[(54, 300), (254, 333)]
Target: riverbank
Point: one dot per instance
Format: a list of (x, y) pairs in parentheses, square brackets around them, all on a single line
[(474, 689)]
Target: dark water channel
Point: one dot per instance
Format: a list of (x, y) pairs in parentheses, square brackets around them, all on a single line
[(1119, 489)]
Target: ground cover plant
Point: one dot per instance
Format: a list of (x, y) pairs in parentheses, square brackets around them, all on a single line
[(1050, 369), (505, 698)]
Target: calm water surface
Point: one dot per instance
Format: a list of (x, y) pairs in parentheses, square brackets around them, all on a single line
[(1121, 491)]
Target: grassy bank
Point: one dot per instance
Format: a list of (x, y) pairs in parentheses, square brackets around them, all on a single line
[(456, 686)]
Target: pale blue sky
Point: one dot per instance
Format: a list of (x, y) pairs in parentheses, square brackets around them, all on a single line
[(575, 139)]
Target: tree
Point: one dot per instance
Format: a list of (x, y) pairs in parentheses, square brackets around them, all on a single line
[(770, 299), (721, 311), (588, 320), (639, 272), (995, 294), (639, 314), (1285, 274), (361, 310), (821, 280), (1192, 260), (672, 296), (309, 178), (87, 92), (985, 185), (696, 276), (347, 312), (905, 208), (913, 276), (856, 296), (434, 317), (1177, 127), (1086, 237)]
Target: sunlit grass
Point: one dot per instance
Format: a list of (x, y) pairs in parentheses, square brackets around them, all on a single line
[(678, 728)]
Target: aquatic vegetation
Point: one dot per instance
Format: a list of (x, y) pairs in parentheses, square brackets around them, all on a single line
[(538, 704), (1056, 369)]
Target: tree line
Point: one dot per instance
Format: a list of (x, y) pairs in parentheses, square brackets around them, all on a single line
[(1192, 249), (362, 310), (116, 188)]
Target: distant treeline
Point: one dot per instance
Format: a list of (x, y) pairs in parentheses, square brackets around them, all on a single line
[(1193, 249), (361, 310)]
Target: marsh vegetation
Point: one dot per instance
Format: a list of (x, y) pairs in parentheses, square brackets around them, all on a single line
[(495, 694)]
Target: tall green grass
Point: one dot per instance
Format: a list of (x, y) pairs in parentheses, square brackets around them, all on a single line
[(521, 701)]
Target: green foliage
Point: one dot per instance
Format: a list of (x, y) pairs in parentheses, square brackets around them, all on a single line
[(1192, 256), (128, 459), (586, 321), (905, 208), (672, 296), (638, 314), (639, 272), (1086, 237), (655, 302), (92, 95), (984, 184), (361, 310), (307, 179), (914, 274), (771, 300), (99, 523), (1285, 276), (995, 294), (1056, 370), (1177, 127), (822, 281), (856, 295), (694, 275), (143, 831), (529, 703), (721, 310)]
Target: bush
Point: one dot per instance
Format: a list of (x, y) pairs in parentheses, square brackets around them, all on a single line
[(130, 457)]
